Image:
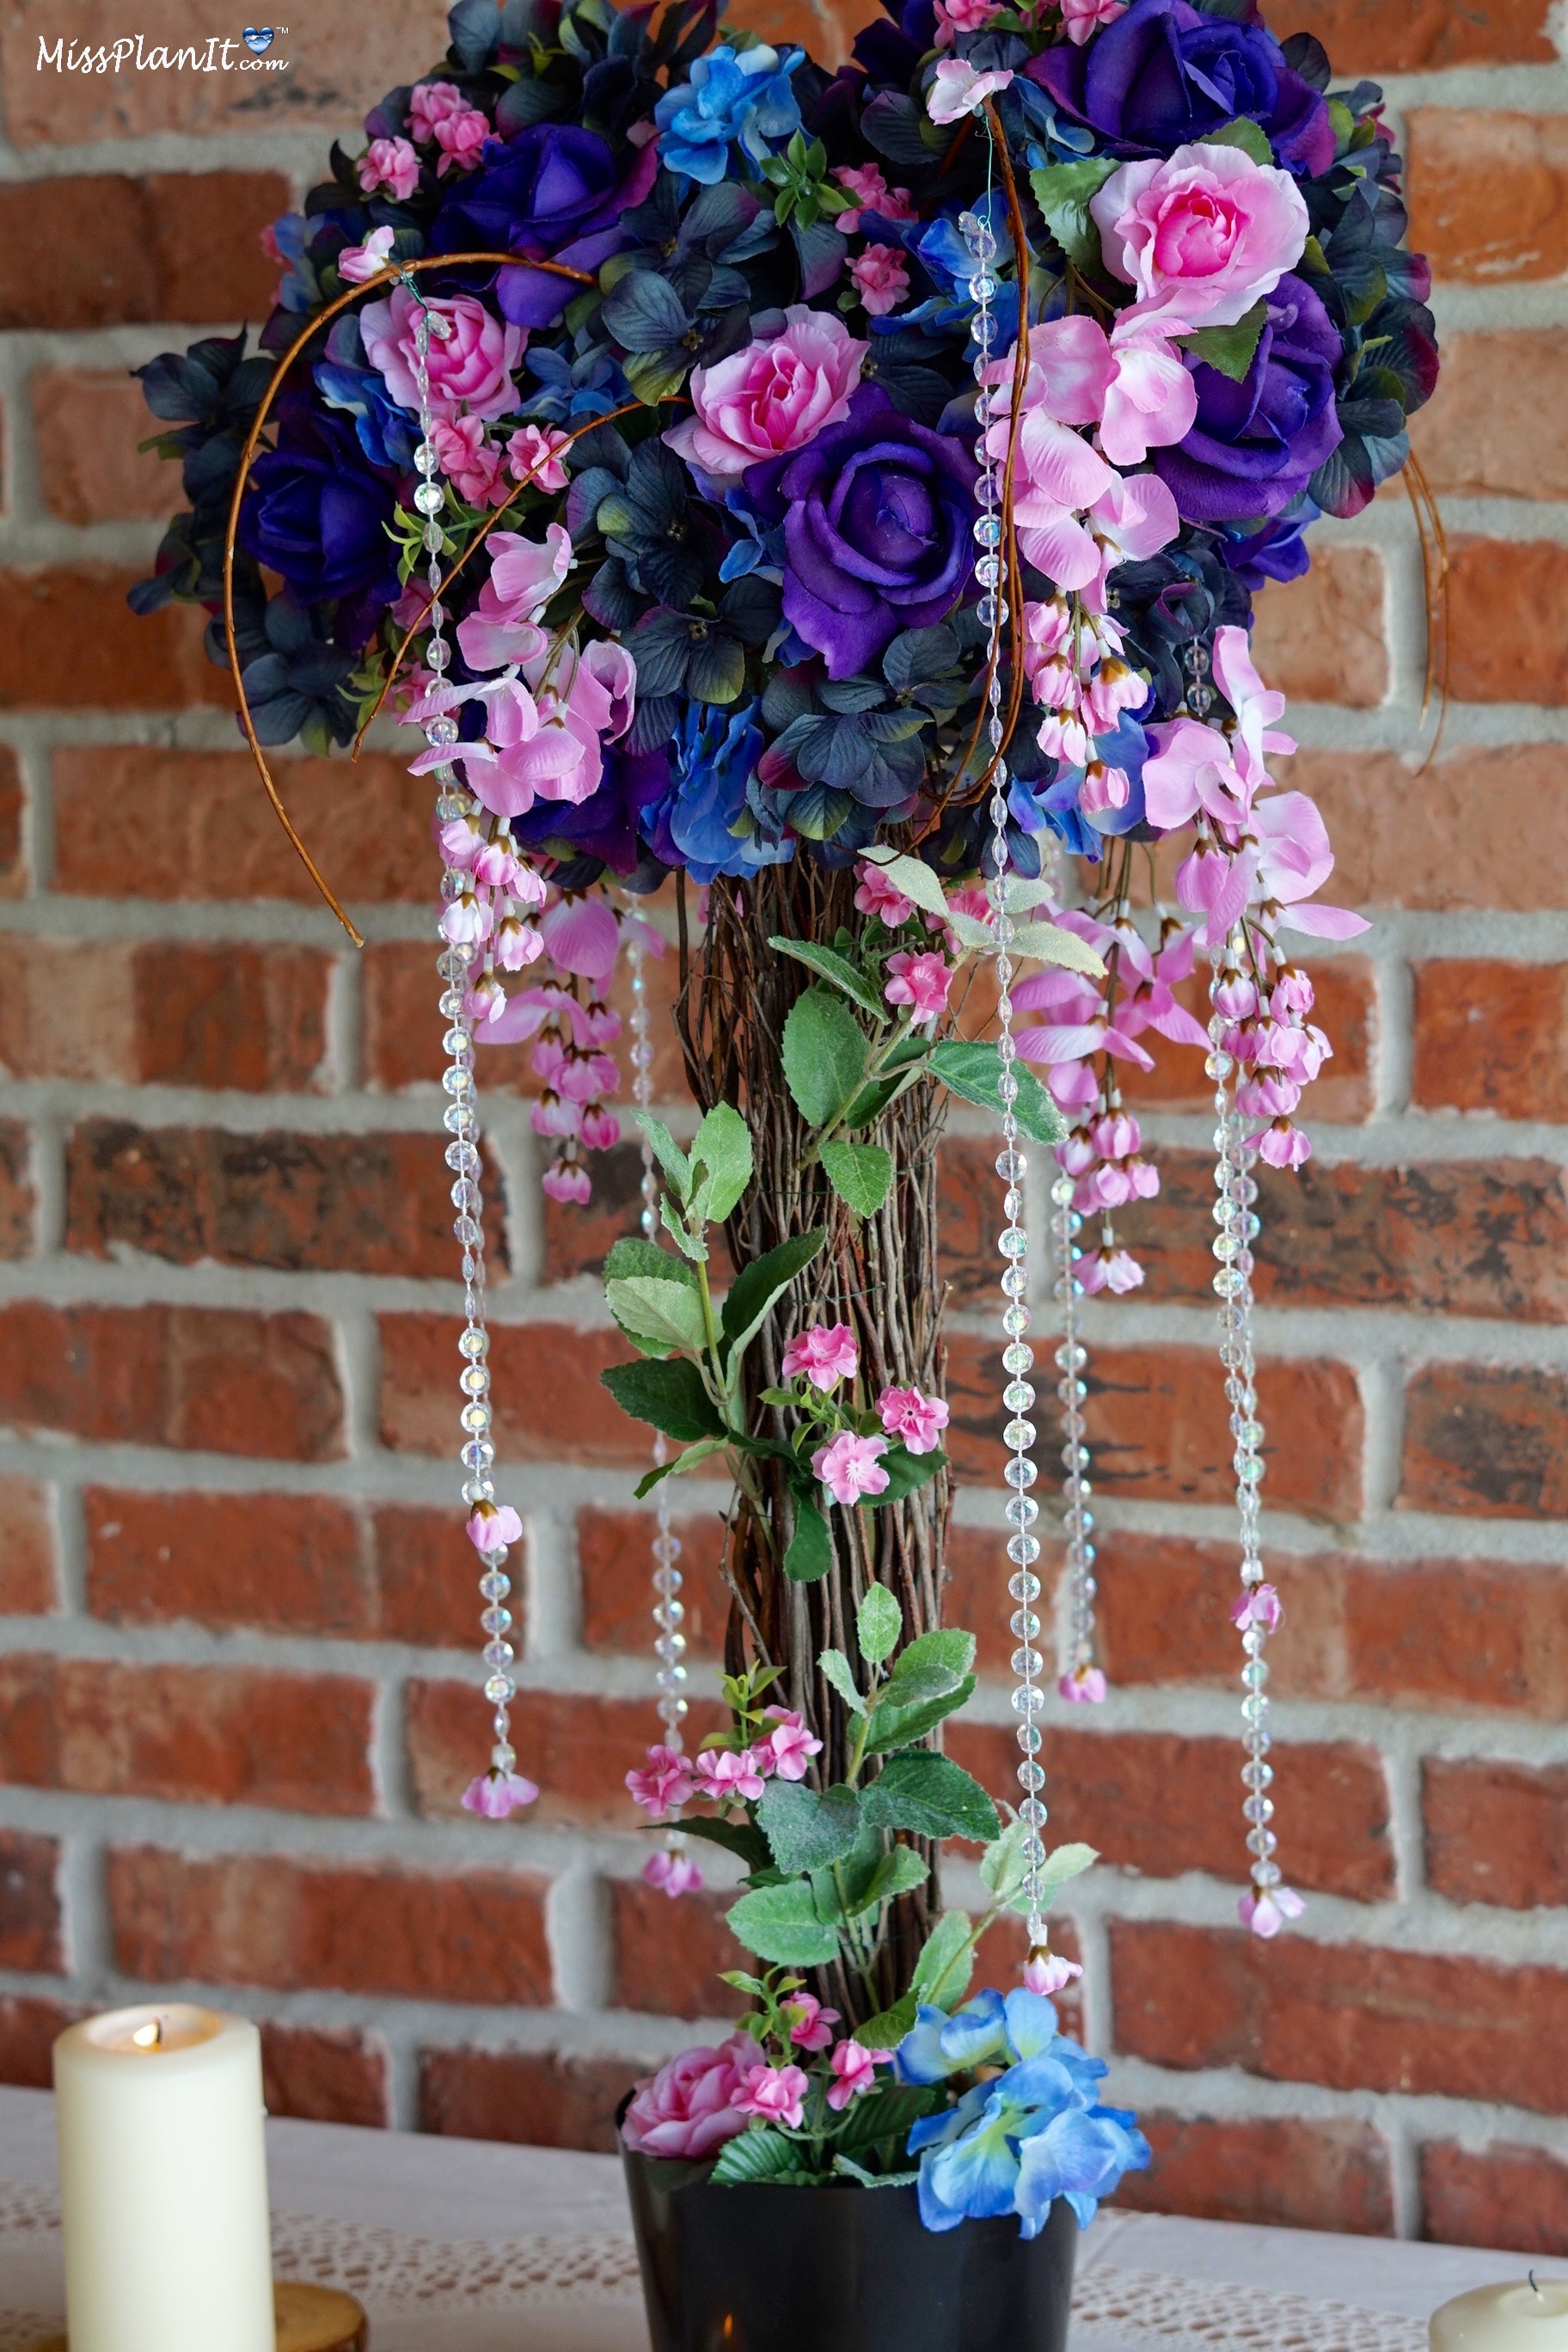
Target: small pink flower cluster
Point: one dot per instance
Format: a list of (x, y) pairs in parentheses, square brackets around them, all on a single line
[(879, 274), (484, 473), (1075, 673), (1279, 1052), (570, 1054), (849, 1464), (726, 1776), (438, 111), (706, 2096), (921, 982)]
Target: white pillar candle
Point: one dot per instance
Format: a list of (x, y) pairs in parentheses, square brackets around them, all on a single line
[(1528, 2316), (163, 2182)]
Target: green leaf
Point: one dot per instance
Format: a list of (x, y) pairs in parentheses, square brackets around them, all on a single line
[(756, 2155), (912, 879), (838, 969), (853, 2172), (1066, 1861), (758, 1288), (1062, 192), (893, 1726), (690, 1245), (973, 1072), (906, 1473), (931, 1796), (781, 1924), (946, 1650), (661, 1308), (947, 1962), (684, 1461), (736, 1837), (723, 1146), (805, 1831), (1049, 943), (824, 1051), (887, 2029), (1243, 132), (810, 1553), (1002, 1865), (860, 1174), (838, 1670), (900, 1871), (671, 1158), (670, 1396), (1231, 350), (634, 1255), (879, 1622), (889, 2113)]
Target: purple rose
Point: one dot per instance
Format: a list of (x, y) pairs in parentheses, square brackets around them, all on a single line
[(556, 192), (1165, 74), (1256, 444), (879, 516), (317, 514)]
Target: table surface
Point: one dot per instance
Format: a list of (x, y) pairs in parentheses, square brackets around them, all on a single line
[(529, 2249)]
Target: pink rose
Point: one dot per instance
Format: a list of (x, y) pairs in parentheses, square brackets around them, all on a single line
[(918, 1420), (872, 192), (851, 1466), (776, 394), (391, 165), (854, 2070), (825, 1354), (775, 2094), (690, 2107), (471, 370), (665, 1782), (880, 279), (728, 1777), (1201, 236)]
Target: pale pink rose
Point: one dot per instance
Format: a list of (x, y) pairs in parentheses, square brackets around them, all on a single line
[(434, 102), (495, 1794), (1259, 1609), (875, 895), (854, 2070), (865, 183), (825, 1354), (461, 138), (958, 89), (492, 1526), (1267, 1914), (955, 17), (1201, 236), (810, 2025), (471, 369), (776, 2095), (776, 394), (1046, 1972), (880, 279), (921, 981), (918, 1420), (851, 1466), (358, 262), (1080, 18), (689, 2109), (1084, 1686), (391, 164), (792, 1744), (663, 1783), (672, 1874), (565, 1180), (470, 463), (728, 1777), (531, 455)]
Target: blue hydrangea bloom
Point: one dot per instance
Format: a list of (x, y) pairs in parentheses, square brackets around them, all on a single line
[(704, 822), (733, 94)]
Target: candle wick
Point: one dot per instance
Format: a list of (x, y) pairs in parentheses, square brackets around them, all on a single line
[(1530, 2276)]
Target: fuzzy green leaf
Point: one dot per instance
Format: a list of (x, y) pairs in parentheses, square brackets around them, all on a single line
[(887, 2029), (946, 1650), (661, 1308), (946, 1962), (972, 1071), (906, 1473), (931, 1796), (838, 1670), (1231, 350), (759, 1287), (1063, 191), (895, 1726), (736, 1837), (879, 1622), (824, 1051), (634, 1255), (671, 1158), (836, 969), (810, 1553), (1243, 132), (670, 1396), (889, 2113), (723, 1146), (860, 1174), (781, 1924), (686, 1460), (805, 1831), (1049, 943)]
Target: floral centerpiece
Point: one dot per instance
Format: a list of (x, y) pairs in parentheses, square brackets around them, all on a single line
[(838, 496)]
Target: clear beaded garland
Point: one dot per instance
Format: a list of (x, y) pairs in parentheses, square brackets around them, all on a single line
[(1072, 1390), (477, 1453), (1012, 1165)]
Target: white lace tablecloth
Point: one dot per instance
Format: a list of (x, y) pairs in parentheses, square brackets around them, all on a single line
[(468, 2247)]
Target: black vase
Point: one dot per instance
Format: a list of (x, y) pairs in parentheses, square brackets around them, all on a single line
[(839, 2269)]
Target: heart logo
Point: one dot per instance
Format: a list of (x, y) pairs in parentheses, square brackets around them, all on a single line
[(258, 37)]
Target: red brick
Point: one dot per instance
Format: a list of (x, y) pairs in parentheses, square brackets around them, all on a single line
[(1349, 2016), (1481, 1237), (1494, 2196), (543, 2099), (426, 1580), (32, 1928), (549, 1403), (69, 641), (1366, 37), (261, 1919), (1488, 1037), (1275, 2171), (1488, 1440), (197, 825), (669, 1952), (106, 250), (1159, 1426), (1320, 638), (197, 1734), (1481, 828), (1491, 429), (1160, 1804), (578, 1747), (68, 1011), (28, 2031), (1163, 1614), (1496, 1833), (1509, 620), (88, 423), (615, 1571), (12, 869), (19, 1201), (324, 2078), (968, 1192), (1487, 192), (302, 1203), (1346, 1011), (207, 1377), (29, 1584), (250, 1018)]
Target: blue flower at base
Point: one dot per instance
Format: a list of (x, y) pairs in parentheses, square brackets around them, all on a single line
[(741, 95), (704, 823)]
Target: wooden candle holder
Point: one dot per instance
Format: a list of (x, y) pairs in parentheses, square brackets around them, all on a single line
[(310, 2319)]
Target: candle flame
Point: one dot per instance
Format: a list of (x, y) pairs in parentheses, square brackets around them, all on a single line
[(149, 2036)]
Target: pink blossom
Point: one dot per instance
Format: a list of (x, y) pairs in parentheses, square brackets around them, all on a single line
[(792, 1744), (391, 165), (1080, 18), (663, 1783), (531, 454), (921, 981), (1113, 1270), (875, 895), (727, 1776), (810, 2025), (825, 1353), (601, 1128), (431, 102), (1152, 401), (851, 1466), (1267, 1095), (880, 279), (492, 1526), (1046, 1972), (470, 463), (1084, 1686), (1255, 706), (1259, 1608), (955, 17), (690, 2107), (918, 1420), (775, 394), (567, 1181), (471, 369), (1266, 1914), (958, 89), (855, 2070), (1201, 234), (1192, 768), (466, 920), (1283, 1145), (865, 183), (462, 136), (525, 574), (775, 2094), (517, 945), (672, 1874), (582, 937), (358, 262), (496, 1794)]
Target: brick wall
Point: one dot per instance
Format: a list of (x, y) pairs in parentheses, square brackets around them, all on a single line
[(237, 1689)]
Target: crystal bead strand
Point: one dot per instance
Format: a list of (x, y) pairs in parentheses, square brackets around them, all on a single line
[(1072, 1389), (1011, 1166), (478, 1451), (1235, 1215)]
